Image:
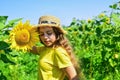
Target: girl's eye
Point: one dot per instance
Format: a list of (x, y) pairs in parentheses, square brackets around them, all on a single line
[(41, 34), (49, 33)]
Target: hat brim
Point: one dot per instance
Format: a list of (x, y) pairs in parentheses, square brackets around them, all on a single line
[(52, 25), (43, 25)]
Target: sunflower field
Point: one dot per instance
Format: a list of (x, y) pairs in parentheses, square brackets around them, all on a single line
[(96, 44)]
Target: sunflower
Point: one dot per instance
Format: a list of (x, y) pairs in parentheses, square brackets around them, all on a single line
[(23, 36)]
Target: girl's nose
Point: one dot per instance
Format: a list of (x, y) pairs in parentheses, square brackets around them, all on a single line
[(46, 35)]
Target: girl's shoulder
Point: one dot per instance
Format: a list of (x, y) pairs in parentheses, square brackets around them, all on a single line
[(60, 50)]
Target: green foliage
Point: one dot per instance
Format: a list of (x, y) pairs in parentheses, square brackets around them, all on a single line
[(14, 65), (97, 44), (115, 6)]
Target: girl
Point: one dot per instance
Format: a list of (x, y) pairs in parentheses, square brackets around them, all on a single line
[(56, 59)]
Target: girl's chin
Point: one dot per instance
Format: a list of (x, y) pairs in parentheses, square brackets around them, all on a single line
[(48, 45)]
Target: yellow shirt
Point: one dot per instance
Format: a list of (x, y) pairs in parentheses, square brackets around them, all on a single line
[(51, 62)]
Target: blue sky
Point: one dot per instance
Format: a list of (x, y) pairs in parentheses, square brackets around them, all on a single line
[(66, 10)]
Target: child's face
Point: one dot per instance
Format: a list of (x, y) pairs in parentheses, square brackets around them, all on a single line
[(47, 35)]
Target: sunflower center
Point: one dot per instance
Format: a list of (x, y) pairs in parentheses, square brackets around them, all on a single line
[(22, 37)]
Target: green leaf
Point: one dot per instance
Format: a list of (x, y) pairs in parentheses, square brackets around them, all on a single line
[(12, 22), (3, 45), (114, 6), (98, 31), (116, 38), (1, 26), (110, 6), (2, 76), (5, 59), (3, 19), (112, 63)]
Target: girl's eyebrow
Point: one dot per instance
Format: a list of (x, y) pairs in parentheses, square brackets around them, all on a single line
[(50, 31)]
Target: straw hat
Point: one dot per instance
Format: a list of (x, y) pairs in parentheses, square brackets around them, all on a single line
[(50, 21)]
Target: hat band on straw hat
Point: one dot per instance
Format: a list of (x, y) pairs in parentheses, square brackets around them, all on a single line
[(47, 22)]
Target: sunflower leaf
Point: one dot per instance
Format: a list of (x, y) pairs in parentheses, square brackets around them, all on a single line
[(3, 20), (1, 26), (3, 45), (12, 22), (5, 59)]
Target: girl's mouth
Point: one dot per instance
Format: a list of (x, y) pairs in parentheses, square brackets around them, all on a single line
[(47, 42)]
